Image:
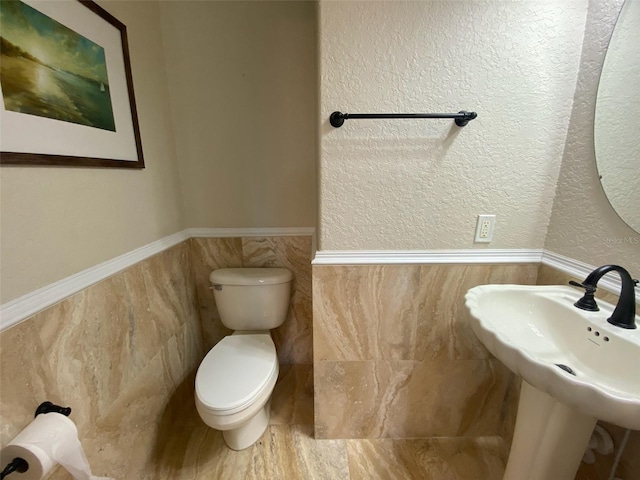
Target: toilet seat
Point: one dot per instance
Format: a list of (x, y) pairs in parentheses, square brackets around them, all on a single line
[(235, 372)]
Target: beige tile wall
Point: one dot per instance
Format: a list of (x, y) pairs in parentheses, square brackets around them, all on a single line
[(123, 353), (116, 353), (292, 401), (293, 338), (629, 466), (395, 357)]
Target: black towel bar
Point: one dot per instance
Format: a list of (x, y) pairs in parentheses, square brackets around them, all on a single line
[(461, 118)]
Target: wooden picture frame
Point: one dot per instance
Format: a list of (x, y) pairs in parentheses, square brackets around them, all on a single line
[(66, 88)]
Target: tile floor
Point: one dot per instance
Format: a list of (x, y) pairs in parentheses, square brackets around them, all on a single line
[(181, 447), (288, 450), (291, 452)]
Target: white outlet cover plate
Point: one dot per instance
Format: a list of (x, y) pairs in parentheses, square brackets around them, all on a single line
[(488, 234)]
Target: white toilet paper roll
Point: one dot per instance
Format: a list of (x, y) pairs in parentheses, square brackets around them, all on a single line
[(40, 464), (50, 439)]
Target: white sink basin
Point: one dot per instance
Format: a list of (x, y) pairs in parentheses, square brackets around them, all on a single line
[(533, 329)]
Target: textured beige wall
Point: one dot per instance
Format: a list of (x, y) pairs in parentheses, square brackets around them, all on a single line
[(583, 225), (402, 184), (243, 83), (58, 221)]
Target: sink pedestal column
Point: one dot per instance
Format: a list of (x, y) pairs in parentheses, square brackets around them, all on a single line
[(549, 440)]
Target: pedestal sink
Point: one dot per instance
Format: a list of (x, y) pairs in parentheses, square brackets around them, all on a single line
[(576, 369)]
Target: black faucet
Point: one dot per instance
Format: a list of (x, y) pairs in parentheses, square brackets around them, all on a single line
[(624, 315)]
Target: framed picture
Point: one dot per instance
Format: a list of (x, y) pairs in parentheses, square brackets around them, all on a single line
[(66, 86)]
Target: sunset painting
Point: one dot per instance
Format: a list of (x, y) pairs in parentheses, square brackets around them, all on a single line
[(48, 70)]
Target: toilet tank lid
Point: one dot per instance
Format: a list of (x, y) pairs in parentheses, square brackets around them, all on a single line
[(250, 276)]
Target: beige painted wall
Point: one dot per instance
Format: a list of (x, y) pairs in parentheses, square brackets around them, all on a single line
[(402, 184), (583, 225), (243, 87), (59, 221)]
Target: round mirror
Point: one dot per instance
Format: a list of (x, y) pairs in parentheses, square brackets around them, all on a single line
[(617, 122)]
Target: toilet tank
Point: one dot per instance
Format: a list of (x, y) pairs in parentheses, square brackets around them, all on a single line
[(252, 298)]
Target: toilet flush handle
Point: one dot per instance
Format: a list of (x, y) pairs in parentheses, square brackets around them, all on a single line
[(215, 286)]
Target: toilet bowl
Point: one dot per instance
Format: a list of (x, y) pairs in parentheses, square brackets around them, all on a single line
[(235, 380), (233, 387)]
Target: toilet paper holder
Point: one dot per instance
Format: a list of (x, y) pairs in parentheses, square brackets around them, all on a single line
[(20, 465), (48, 407)]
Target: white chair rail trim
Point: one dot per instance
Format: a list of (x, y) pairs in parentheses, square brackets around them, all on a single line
[(386, 257), (21, 308), (568, 265)]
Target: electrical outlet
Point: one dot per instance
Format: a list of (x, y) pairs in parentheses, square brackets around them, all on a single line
[(484, 228)]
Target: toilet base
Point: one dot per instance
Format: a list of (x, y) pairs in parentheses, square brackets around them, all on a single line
[(248, 433)]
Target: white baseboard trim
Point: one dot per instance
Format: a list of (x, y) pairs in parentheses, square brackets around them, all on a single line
[(250, 232), (397, 257)]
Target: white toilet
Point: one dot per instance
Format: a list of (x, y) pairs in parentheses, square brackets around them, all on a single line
[(236, 378)]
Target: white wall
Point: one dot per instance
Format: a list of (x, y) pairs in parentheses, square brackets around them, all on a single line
[(243, 91), (59, 221), (583, 224), (405, 184)]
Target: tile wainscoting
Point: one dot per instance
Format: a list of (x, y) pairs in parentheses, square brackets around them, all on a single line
[(293, 338), (292, 401), (394, 358), (394, 355), (116, 353), (123, 352)]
